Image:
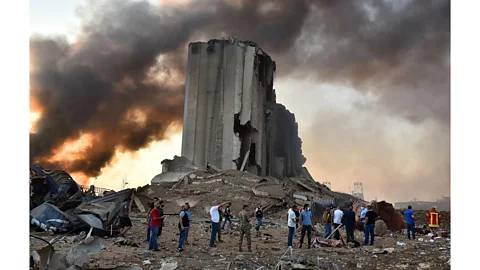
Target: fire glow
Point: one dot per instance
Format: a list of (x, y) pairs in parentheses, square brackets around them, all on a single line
[(72, 150)]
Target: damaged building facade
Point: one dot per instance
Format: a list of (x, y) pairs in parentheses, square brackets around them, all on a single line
[(231, 118)]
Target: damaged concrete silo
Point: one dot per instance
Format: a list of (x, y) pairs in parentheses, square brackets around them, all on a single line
[(231, 118)]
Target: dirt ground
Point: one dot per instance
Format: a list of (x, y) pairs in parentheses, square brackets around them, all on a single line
[(267, 251)]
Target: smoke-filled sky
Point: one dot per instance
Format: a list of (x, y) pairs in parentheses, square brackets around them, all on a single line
[(368, 81)]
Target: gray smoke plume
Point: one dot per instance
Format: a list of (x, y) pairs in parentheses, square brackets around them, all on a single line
[(131, 55)]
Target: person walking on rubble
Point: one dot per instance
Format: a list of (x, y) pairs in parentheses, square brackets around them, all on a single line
[(259, 216), (245, 227), (434, 219), (327, 220), (189, 215), (370, 218), (228, 218), (183, 224), (291, 225), (125, 222), (306, 219), (155, 224), (150, 206), (215, 219), (349, 221), (410, 220), (337, 221)]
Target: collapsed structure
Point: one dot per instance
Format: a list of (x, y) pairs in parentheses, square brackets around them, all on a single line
[(233, 122), (231, 118)]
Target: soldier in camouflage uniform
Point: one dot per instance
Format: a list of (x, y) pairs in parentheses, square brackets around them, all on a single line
[(245, 226)]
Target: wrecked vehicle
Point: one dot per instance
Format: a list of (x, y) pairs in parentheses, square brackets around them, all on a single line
[(54, 186), (57, 204)]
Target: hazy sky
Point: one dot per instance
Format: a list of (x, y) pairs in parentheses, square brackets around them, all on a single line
[(373, 106)]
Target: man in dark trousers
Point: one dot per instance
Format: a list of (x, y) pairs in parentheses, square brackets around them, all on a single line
[(183, 224), (370, 218), (155, 223), (228, 217), (259, 216), (349, 221), (410, 220), (306, 219)]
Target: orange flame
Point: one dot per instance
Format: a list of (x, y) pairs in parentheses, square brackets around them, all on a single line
[(34, 116), (72, 150), (80, 178)]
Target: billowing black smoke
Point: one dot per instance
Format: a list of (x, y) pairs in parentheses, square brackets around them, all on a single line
[(130, 59)]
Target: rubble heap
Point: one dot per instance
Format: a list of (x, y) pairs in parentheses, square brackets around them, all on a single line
[(200, 186)]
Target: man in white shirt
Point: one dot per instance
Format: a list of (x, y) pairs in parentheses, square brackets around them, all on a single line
[(215, 219), (337, 220), (291, 225)]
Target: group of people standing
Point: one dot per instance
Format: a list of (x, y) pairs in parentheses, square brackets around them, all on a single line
[(296, 217), (245, 216), (305, 219), (347, 218), (155, 224)]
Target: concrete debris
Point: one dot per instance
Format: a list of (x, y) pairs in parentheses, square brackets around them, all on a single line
[(382, 251), (169, 266), (78, 257), (380, 228)]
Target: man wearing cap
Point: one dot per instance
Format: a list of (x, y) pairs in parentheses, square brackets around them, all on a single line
[(434, 219)]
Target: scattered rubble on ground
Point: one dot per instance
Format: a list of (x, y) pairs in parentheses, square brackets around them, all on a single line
[(93, 242)]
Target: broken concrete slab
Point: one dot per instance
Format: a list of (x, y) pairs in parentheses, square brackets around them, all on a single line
[(170, 177), (139, 204), (91, 220), (78, 257)]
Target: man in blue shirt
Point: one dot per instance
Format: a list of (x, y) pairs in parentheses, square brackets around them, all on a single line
[(410, 220), (306, 220)]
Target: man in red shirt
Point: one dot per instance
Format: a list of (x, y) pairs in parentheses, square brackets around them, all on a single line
[(155, 223)]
